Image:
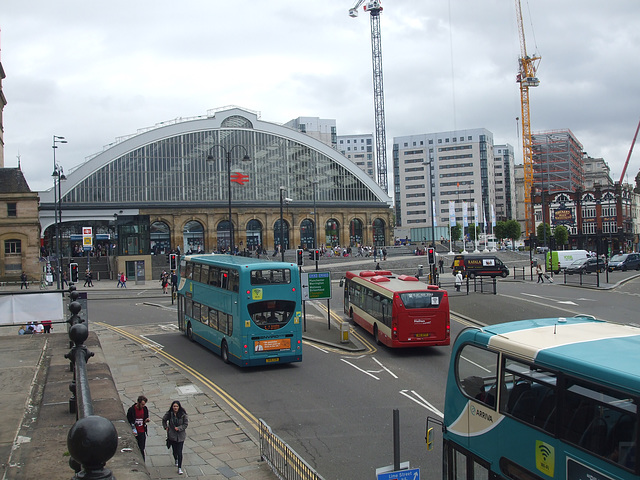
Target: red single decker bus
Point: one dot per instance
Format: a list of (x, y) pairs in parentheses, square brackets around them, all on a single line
[(399, 311)]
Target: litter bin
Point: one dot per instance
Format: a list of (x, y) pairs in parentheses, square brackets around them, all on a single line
[(344, 332)]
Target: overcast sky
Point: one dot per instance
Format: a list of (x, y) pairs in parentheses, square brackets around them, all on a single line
[(94, 71)]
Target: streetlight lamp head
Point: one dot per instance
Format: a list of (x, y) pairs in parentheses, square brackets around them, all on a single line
[(246, 158), (210, 157), (288, 200)]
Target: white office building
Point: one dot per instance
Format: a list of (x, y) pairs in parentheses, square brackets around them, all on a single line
[(359, 149), (505, 182), (321, 129), (461, 170)]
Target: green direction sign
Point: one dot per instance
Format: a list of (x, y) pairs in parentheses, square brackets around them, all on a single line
[(316, 285)]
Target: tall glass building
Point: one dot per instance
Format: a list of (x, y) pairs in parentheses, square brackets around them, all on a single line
[(168, 187)]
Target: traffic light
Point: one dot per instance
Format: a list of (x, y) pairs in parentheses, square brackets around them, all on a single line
[(73, 272), (173, 261), (299, 257), (432, 255), (316, 255)]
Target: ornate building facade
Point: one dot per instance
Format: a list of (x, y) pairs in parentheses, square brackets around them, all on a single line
[(169, 187)]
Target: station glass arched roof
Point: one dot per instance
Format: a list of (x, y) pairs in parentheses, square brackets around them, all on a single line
[(185, 162)]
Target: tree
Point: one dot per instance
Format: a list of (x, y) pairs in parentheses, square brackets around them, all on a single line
[(473, 230), (456, 232), (513, 231), (542, 227), (500, 230), (561, 234)]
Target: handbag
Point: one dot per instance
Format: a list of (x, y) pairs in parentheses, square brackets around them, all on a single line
[(168, 442)]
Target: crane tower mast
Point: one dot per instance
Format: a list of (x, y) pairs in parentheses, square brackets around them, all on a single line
[(374, 9), (526, 78)]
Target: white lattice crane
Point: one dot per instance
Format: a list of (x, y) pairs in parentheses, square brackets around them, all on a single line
[(374, 8), (526, 78)]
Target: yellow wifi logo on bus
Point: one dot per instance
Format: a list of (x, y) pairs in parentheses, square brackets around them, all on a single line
[(545, 457)]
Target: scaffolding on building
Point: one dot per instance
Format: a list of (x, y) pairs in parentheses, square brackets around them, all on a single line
[(557, 161)]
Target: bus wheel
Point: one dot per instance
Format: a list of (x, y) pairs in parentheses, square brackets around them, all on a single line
[(472, 276), (375, 335), (224, 352), (189, 332)]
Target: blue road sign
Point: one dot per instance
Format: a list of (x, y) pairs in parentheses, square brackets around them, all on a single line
[(411, 474)]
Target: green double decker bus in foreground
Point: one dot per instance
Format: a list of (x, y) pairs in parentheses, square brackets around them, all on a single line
[(246, 310), (552, 398)]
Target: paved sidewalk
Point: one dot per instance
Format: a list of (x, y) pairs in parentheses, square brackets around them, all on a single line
[(35, 378)]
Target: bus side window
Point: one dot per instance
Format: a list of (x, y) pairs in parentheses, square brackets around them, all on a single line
[(187, 272), (234, 281), (196, 272), (476, 373), (196, 311), (214, 276), (213, 318)]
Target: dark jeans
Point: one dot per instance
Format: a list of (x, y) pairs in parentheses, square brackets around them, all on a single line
[(142, 442), (177, 452)]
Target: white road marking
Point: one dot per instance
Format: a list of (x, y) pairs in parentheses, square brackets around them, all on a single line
[(360, 369), (310, 344), (385, 368), (422, 402), (151, 343)]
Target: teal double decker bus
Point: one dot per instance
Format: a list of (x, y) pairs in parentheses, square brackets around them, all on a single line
[(246, 310), (553, 398)]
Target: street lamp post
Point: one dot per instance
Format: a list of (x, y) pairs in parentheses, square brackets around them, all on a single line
[(283, 200), (57, 174), (315, 216), (430, 208), (246, 158)]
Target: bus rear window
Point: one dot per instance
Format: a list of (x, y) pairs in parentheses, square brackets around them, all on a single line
[(271, 314), (421, 299), (271, 276)]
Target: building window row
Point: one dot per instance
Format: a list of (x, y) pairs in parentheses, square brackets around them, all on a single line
[(456, 192), (417, 212), (455, 157), (416, 177), (415, 204), (414, 195), (456, 165), (413, 160), (456, 174), (457, 147), (413, 152), (452, 184)]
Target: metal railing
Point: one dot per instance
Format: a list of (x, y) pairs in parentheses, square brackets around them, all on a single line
[(92, 440), (282, 459)]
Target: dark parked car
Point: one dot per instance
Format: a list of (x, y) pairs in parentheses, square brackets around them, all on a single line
[(624, 262), (586, 265)]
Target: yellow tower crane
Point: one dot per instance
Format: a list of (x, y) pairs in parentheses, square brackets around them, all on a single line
[(526, 78)]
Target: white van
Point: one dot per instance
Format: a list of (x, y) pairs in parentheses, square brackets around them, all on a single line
[(561, 259)]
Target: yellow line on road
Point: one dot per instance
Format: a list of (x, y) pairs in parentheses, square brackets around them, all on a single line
[(228, 399)]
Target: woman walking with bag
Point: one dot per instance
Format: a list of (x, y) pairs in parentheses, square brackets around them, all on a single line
[(175, 422)]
